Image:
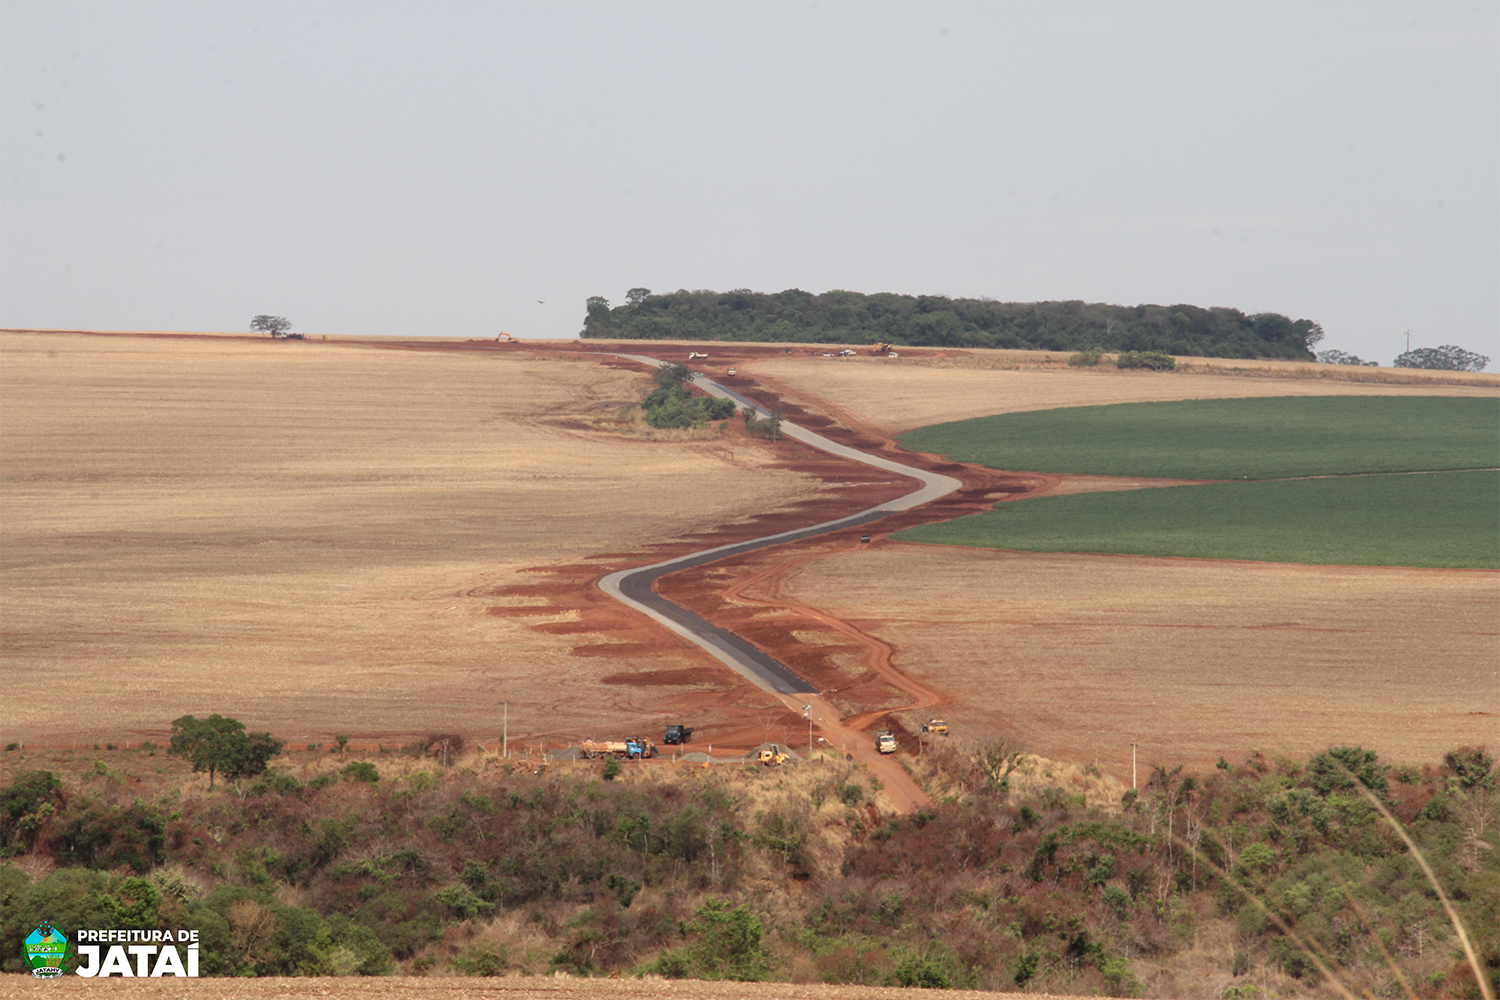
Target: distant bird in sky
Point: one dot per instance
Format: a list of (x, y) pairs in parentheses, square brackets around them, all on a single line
[(540, 302)]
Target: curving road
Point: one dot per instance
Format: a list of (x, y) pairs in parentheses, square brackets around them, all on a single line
[(635, 587)]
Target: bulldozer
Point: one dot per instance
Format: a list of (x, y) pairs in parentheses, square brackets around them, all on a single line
[(881, 348), (772, 755)]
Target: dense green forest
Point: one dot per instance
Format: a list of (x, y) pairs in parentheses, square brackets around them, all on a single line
[(1250, 880), (843, 317)]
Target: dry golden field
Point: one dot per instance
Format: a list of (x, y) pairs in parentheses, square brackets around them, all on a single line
[(1076, 657), (307, 536), (385, 540), (895, 396)]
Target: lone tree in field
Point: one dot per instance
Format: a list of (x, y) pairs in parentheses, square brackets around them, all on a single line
[(276, 326), (219, 744), (1449, 358)]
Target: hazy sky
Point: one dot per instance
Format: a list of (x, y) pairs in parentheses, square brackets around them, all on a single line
[(436, 169)]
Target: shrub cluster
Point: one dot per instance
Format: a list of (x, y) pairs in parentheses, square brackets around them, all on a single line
[(787, 874), (674, 406), (1153, 360)]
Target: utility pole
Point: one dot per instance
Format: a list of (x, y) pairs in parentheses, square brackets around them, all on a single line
[(505, 737), (1132, 766), (807, 714)]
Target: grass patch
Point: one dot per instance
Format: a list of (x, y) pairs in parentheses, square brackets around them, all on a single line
[(1270, 438), (1433, 520)]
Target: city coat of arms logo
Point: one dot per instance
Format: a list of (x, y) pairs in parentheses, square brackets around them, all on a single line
[(46, 950)]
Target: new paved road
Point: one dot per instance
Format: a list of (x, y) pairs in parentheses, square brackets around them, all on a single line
[(635, 587)]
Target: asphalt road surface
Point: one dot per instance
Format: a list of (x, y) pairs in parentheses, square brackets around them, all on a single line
[(635, 587)]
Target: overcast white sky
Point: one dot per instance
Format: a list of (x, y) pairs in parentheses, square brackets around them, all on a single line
[(436, 169)]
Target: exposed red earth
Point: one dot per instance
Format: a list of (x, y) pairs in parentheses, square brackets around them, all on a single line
[(854, 656), (854, 700)]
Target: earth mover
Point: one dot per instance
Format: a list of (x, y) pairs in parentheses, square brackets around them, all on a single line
[(885, 741), (772, 756), (634, 748)]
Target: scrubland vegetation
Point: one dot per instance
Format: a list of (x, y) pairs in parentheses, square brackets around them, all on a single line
[(1252, 880)]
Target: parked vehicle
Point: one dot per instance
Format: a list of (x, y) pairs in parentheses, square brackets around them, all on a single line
[(678, 734), (937, 726), (633, 748), (885, 741)]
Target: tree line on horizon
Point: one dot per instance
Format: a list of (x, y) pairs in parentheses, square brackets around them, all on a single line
[(796, 316)]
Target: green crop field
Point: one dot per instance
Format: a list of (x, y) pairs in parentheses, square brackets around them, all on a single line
[(1445, 519), (1404, 480), (1271, 438)]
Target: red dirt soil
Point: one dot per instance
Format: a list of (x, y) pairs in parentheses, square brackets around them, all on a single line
[(854, 700)]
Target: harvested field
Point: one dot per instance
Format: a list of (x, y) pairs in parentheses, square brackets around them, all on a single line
[(1076, 657), (385, 540), (309, 537), (895, 396)]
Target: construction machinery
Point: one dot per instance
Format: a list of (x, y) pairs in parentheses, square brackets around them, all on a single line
[(881, 348), (506, 338), (937, 726), (885, 741), (678, 734), (634, 748), (772, 755), (697, 356)]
